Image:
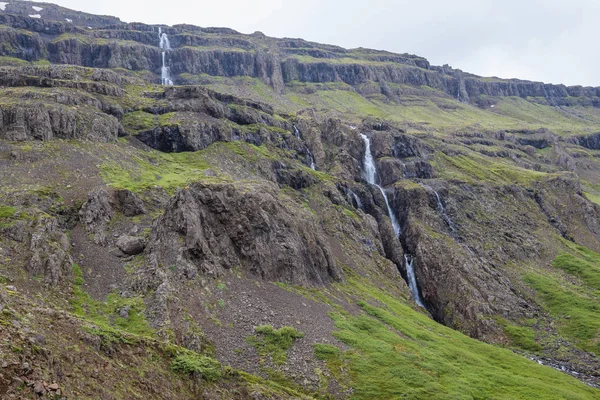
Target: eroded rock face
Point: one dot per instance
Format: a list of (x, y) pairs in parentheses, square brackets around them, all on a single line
[(42, 122), (210, 229), (50, 251), (96, 214)]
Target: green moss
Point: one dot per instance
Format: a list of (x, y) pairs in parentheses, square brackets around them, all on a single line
[(7, 211), (169, 171), (274, 342), (107, 314), (476, 168), (12, 61), (138, 121), (191, 363)]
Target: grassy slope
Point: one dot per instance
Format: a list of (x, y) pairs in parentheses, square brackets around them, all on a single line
[(396, 351)]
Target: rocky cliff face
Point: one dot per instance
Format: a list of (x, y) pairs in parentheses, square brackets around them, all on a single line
[(227, 53)]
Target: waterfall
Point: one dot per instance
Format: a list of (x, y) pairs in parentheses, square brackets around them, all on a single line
[(370, 174), (412, 280), (165, 45), (311, 158), (351, 195), (441, 208)]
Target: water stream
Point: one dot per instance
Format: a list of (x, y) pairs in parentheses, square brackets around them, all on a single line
[(311, 158), (165, 45), (370, 175)]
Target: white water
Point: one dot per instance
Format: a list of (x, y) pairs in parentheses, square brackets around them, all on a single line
[(165, 45), (310, 154), (370, 174), (356, 198), (441, 208), (412, 280)]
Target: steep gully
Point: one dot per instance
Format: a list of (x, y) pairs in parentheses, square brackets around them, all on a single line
[(370, 175)]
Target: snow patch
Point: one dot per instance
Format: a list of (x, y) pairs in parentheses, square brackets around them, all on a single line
[(492, 106), (3, 5), (35, 16), (69, 20), (89, 27), (38, 9)]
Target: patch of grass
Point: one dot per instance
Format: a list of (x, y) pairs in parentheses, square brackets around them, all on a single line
[(475, 168), (325, 352), (575, 310), (7, 212), (138, 121), (108, 314), (586, 266), (191, 363), (397, 352), (521, 336), (274, 342), (169, 171)]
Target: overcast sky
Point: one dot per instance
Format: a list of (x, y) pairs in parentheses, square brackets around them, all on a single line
[(553, 41)]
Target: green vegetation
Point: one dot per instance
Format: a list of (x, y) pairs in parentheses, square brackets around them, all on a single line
[(7, 212), (521, 336), (138, 121), (574, 306), (169, 171), (116, 313), (576, 312), (274, 342), (325, 352), (191, 363), (397, 352), (476, 168), (586, 265)]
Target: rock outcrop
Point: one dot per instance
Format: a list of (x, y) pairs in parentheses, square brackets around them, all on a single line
[(207, 229)]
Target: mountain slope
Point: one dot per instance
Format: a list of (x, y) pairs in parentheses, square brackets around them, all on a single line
[(219, 237)]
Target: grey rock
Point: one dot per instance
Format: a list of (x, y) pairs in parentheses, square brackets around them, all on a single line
[(131, 245)]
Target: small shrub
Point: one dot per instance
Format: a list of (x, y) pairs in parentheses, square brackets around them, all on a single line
[(326, 352), (190, 363), (274, 342)]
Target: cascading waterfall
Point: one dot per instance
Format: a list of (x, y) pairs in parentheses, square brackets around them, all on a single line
[(412, 280), (165, 45), (310, 155), (441, 208), (352, 196), (370, 175)]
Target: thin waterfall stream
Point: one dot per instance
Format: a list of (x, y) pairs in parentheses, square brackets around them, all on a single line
[(370, 175), (165, 71), (310, 154)]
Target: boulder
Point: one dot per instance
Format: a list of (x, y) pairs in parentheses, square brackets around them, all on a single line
[(131, 245)]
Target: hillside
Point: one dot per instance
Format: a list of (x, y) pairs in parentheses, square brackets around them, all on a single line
[(192, 212)]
